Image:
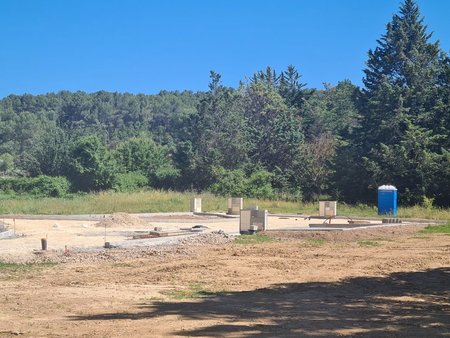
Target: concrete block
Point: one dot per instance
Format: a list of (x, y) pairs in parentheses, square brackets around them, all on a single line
[(252, 220), (327, 208), (196, 205), (391, 220), (159, 233), (235, 204), (245, 220)]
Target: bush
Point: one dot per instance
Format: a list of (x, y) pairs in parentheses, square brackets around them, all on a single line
[(91, 167), (229, 182), (259, 185), (6, 162), (131, 181), (44, 186), (236, 183), (427, 202)]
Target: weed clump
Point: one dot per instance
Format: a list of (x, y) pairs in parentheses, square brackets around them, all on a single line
[(437, 229), (253, 239)]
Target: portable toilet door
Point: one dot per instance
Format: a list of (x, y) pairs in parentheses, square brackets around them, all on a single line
[(387, 200)]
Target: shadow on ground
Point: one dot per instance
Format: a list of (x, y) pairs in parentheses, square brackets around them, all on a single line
[(401, 304)]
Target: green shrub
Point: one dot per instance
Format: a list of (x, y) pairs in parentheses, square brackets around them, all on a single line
[(427, 202), (253, 239), (229, 182), (142, 154), (6, 162), (259, 185), (236, 183), (44, 186), (57, 186), (437, 229), (91, 167), (131, 181)]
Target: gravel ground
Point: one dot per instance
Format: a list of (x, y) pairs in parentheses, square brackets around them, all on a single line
[(164, 247)]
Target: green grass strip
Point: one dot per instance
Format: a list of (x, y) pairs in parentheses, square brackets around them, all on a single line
[(437, 229), (253, 239), (18, 267)]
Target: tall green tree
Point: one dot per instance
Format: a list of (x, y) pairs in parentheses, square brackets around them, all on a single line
[(276, 134), (287, 84), (49, 153), (143, 155), (398, 106), (291, 89), (91, 167), (316, 168), (218, 132)]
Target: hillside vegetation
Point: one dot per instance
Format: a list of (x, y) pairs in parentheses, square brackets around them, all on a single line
[(270, 138)]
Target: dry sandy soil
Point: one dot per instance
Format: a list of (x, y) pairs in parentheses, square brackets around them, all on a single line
[(391, 281)]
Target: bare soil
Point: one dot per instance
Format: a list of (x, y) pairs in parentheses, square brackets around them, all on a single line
[(366, 283)]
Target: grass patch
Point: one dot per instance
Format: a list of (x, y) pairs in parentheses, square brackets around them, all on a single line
[(417, 211), (419, 236), (314, 242), (22, 267), (171, 201), (253, 239), (369, 243), (194, 291), (437, 229), (382, 239)]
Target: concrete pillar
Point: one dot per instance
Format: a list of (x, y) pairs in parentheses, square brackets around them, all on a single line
[(235, 204), (196, 205), (327, 208), (250, 218)]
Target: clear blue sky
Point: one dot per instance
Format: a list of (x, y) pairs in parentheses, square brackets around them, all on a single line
[(144, 46)]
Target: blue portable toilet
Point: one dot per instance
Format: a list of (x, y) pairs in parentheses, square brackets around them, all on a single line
[(387, 200)]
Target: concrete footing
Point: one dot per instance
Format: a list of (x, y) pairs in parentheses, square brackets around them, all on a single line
[(391, 220), (7, 234)]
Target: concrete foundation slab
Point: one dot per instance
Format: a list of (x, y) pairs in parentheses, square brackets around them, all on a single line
[(7, 234), (342, 225)]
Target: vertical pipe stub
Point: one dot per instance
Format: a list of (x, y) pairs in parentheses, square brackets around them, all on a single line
[(44, 244)]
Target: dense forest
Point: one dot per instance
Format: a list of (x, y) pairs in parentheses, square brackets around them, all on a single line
[(271, 137)]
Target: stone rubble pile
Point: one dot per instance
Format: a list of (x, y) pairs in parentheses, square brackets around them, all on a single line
[(182, 248), (213, 238)]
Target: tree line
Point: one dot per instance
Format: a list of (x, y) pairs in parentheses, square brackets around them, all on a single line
[(269, 137)]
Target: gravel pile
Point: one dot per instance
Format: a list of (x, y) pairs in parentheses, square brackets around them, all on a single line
[(3, 226), (213, 238), (107, 255), (183, 247)]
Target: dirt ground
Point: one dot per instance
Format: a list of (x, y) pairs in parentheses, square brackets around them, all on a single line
[(392, 281), (90, 235)]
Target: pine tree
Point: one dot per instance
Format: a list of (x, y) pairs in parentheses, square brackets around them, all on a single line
[(399, 106), (401, 76), (219, 134), (290, 87)]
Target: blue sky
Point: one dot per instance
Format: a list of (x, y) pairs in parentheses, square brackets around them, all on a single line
[(144, 46)]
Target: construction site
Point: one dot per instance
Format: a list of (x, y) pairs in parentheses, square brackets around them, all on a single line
[(235, 273)]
